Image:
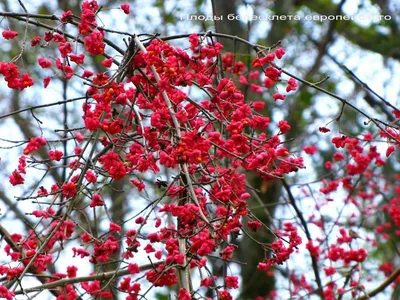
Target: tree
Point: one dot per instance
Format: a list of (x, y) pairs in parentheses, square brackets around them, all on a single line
[(312, 47), (175, 125)]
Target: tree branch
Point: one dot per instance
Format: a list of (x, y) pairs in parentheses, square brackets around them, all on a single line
[(101, 276), (308, 234), (382, 286)]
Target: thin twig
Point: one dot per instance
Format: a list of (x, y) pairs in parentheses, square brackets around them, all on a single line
[(41, 106)]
